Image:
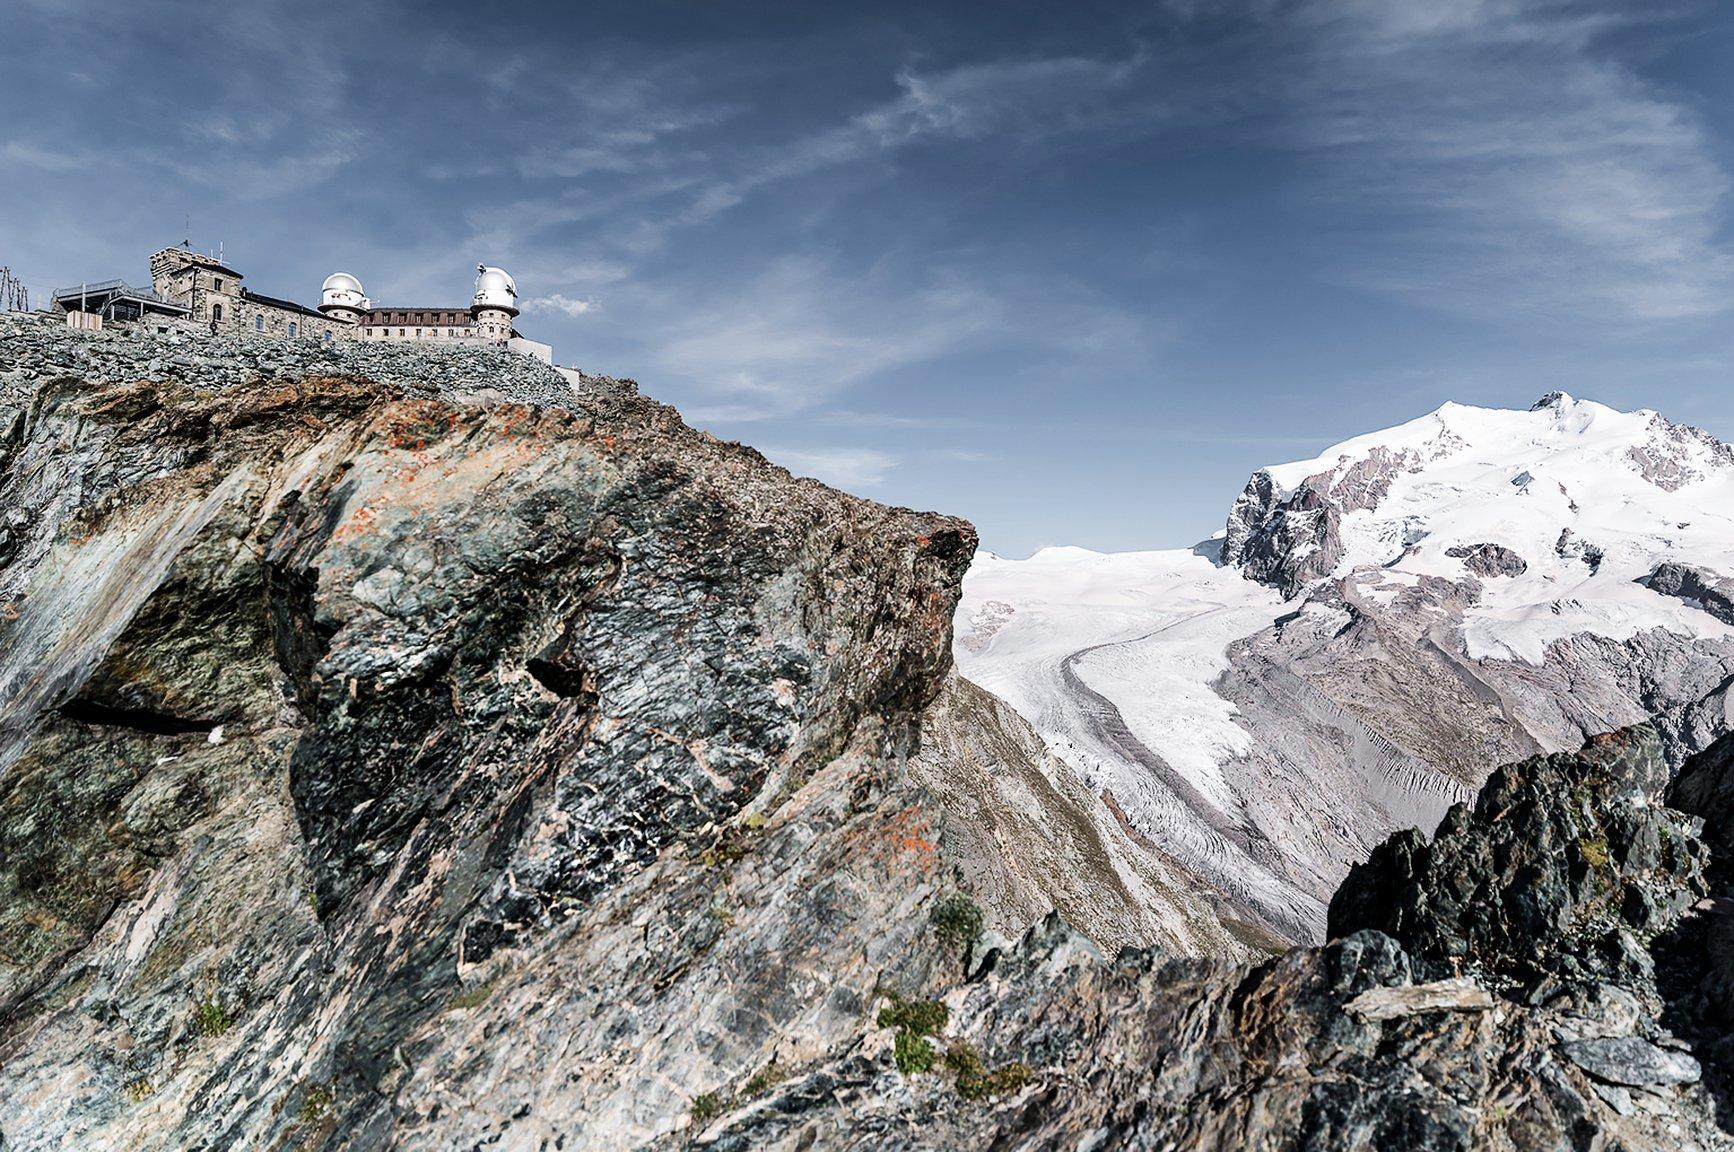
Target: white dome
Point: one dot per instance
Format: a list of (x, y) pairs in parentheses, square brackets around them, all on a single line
[(495, 289), (342, 291)]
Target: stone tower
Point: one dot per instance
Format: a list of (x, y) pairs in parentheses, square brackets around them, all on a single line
[(495, 305), (342, 298)]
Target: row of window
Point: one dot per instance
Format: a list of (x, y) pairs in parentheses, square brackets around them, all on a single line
[(449, 333)]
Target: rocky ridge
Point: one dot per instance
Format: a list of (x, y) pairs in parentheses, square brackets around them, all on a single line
[(340, 718), (409, 766), (1548, 985)]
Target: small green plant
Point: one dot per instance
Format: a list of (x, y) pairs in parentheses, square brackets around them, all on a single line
[(764, 1080), (732, 844), (471, 999), (957, 921), (972, 1078), (138, 1090), (915, 1021), (1594, 852), (211, 1018), (722, 914), (913, 1053), (316, 1103), (706, 1106)]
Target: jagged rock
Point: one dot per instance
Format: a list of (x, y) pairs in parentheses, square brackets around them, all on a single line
[(339, 717), (1561, 859), (1329, 1048), (1715, 594), (1289, 543), (1488, 559), (1631, 1062), (388, 766), (1457, 994)]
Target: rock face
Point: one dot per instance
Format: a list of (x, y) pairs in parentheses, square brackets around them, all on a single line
[(1478, 897), (1713, 593), (396, 765), (1486, 559), (1518, 1006), (327, 704)]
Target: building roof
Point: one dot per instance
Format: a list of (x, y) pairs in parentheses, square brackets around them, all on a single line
[(95, 297), (208, 264), (286, 305)]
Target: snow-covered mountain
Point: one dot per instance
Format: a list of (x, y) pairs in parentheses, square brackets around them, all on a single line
[(1374, 627)]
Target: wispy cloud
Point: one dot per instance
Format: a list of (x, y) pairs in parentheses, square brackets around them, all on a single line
[(847, 468), (559, 303), (1497, 159), (808, 330)]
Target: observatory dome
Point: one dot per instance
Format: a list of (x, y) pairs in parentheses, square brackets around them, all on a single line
[(496, 289), (342, 291)]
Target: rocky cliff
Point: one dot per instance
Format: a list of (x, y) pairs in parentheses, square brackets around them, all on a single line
[(349, 717), (416, 750), (1551, 972)]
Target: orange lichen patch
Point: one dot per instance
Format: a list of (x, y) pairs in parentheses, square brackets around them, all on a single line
[(358, 522), (904, 845), (8, 611)]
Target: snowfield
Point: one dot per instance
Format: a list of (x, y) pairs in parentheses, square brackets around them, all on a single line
[(1489, 535)]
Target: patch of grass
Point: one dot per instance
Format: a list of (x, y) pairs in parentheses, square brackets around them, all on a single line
[(915, 1021), (138, 1090), (211, 1018), (732, 844), (919, 1017), (707, 1106), (722, 914), (1594, 852), (972, 1078), (913, 1053), (316, 1103), (764, 1080), (471, 999), (957, 921)]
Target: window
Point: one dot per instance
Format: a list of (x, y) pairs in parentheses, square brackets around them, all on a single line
[(216, 311), (328, 337), (219, 283), (259, 323), (418, 333), (292, 332), (400, 331)]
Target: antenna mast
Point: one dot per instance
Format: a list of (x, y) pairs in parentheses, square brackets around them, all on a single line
[(13, 295)]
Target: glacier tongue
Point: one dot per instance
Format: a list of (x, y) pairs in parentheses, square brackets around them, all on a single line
[(1375, 624)]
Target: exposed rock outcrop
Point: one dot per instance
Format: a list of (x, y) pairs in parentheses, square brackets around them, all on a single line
[(417, 767), (1710, 591), (340, 719), (1488, 559), (1541, 1037)]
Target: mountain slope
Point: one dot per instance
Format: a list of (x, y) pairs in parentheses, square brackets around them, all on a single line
[(1374, 626)]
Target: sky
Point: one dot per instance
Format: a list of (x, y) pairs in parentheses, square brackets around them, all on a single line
[(1072, 271)]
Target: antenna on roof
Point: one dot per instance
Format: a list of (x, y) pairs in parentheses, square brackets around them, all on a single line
[(188, 241)]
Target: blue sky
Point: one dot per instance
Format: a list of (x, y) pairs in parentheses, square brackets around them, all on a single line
[(1072, 271)]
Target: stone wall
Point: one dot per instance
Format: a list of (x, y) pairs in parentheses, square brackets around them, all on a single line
[(39, 344)]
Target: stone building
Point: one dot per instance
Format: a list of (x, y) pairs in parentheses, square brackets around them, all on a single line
[(193, 289)]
